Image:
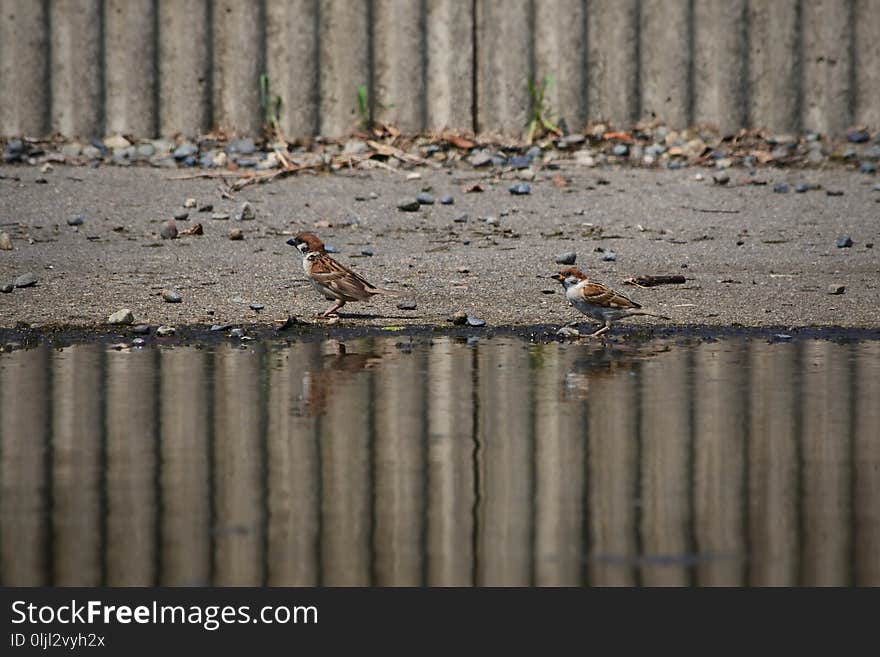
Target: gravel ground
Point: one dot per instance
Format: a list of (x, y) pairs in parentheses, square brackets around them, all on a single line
[(751, 257)]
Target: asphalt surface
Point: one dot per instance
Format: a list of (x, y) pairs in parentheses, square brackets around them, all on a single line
[(751, 257)]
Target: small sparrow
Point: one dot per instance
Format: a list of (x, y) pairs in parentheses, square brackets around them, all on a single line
[(336, 282), (598, 301)]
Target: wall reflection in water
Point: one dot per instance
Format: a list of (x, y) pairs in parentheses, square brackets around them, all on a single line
[(733, 462)]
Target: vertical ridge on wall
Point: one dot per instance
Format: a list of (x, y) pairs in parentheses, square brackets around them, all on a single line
[(398, 57), (504, 65), (238, 63), (867, 62), (827, 65), (719, 64), (664, 67), (343, 53), (76, 80), (774, 64), (560, 51), (292, 62), (129, 64), (612, 91), (449, 65), (184, 67), (24, 42)]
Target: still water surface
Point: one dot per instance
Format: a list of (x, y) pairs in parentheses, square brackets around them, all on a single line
[(731, 462)]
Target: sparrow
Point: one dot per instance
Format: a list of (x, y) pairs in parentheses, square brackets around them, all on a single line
[(598, 301), (335, 281)]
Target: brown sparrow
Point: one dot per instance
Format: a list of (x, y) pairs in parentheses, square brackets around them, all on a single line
[(598, 301), (336, 282)]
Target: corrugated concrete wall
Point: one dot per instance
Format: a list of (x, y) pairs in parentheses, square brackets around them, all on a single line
[(148, 67)]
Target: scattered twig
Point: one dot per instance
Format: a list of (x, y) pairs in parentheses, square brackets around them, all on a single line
[(688, 207), (650, 281)]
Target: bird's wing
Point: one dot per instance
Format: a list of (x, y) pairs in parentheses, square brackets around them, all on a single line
[(329, 273), (598, 294)]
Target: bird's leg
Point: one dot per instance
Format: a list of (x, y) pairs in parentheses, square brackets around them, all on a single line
[(331, 311), (602, 331)]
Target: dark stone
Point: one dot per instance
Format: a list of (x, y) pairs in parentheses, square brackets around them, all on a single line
[(858, 136), (367, 252), (781, 188), (220, 327), (800, 188), (246, 162), (208, 207), (474, 321), (461, 219), (409, 205), (407, 305), (446, 200), (844, 242), (181, 216), (833, 192), (185, 151), (141, 329), (519, 162), (721, 179), (520, 189), (567, 258), (7, 288), (244, 146), (26, 280), (76, 220), (836, 288), (425, 199), (170, 296), (459, 317), (257, 307)]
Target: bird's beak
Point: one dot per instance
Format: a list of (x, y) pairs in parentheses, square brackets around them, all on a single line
[(291, 242), (556, 277)]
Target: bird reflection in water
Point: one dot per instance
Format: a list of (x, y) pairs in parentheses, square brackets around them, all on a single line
[(601, 363), (336, 369)]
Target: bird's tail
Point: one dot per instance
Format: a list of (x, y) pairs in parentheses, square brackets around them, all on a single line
[(386, 291), (650, 314)]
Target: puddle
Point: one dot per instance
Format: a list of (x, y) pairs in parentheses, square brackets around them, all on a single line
[(414, 460)]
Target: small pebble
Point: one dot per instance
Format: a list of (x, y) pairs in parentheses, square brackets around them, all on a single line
[(189, 203), (620, 150), (367, 252), (183, 215), (171, 296), (236, 235), (844, 242), (446, 200), (460, 219), (800, 188), (425, 199), (168, 230), (7, 288), (141, 329), (781, 188), (858, 136), (163, 331), (208, 207), (459, 317), (868, 167), (5, 242), (567, 258), (609, 256), (138, 342), (123, 316), (236, 333), (220, 216), (722, 179), (568, 332), (782, 337), (409, 205), (246, 213), (833, 192), (26, 280), (406, 305), (520, 189), (76, 220), (474, 321), (257, 307), (835, 288), (220, 327)]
